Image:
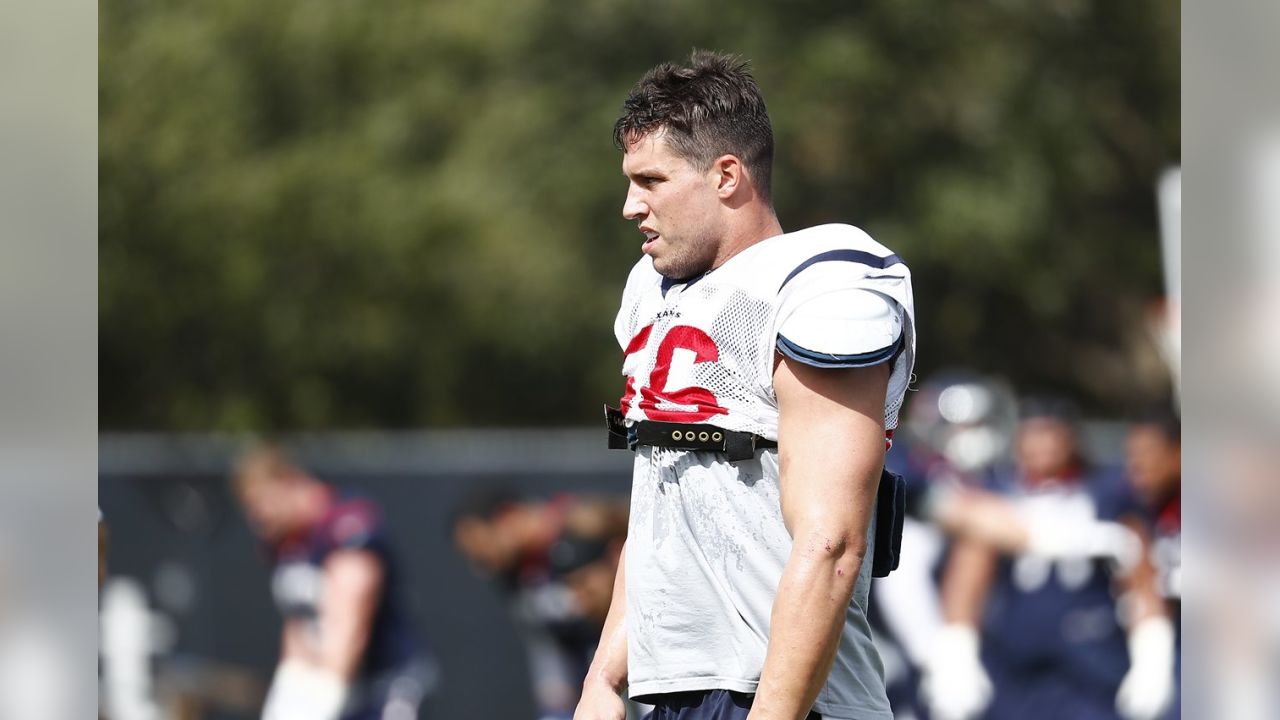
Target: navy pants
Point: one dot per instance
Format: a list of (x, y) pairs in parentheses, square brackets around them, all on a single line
[(703, 705)]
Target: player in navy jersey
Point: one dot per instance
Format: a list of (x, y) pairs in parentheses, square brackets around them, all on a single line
[(554, 560), (1034, 624), (1154, 467), (348, 650), (958, 425)]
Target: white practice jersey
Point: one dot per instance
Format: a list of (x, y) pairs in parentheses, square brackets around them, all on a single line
[(707, 544), (702, 351)]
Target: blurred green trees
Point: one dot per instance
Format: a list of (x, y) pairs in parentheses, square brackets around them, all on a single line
[(387, 213)]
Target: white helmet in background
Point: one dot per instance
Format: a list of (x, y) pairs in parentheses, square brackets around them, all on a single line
[(967, 418)]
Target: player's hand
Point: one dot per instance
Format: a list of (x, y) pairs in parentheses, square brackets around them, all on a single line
[(599, 702), (1147, 689), (955, 685)]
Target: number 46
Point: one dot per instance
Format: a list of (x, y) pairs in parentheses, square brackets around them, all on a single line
[(680, 337)]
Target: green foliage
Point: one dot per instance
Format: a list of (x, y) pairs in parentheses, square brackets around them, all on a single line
[(384, 213)]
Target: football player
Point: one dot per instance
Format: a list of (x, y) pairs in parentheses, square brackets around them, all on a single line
[(762, 371), (1031, 591), (554, 560), (348, 650)]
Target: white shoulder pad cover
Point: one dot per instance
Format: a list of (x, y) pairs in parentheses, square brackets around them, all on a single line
[(848, 324)]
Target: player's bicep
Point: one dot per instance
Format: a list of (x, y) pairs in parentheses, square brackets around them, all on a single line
[(353, 583), (830, 443)]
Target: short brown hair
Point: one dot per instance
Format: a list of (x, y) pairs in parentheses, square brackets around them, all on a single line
[(260, 462), (709, 107)]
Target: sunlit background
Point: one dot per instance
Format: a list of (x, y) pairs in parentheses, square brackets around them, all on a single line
[(390, 234)]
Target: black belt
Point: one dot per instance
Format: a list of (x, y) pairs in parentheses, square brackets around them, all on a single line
[(684, 436)]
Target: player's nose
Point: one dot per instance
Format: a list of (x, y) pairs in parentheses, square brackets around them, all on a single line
[(634, 208)]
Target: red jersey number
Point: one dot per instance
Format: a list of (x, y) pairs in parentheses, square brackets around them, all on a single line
[(680, 337)]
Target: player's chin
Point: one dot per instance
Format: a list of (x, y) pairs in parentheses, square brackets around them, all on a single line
[(670, 266), (662, 263)]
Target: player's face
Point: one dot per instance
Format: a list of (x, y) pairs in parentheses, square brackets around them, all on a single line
[(494, 544), (675, 205), (476, 538), (1046, 448), (269, 508), (1153, 462)]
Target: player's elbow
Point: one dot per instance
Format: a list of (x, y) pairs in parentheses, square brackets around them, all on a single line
[(834, 544)]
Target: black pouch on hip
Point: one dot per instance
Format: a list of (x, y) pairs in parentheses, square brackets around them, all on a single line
[(891, 510)]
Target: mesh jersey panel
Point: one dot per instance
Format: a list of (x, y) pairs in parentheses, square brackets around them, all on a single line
[(702, 351)]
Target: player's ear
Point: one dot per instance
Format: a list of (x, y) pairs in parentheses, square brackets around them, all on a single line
[(729, 173)]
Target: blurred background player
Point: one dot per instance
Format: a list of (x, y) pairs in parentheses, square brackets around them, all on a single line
[(959, 424), (1031, 591), (555, 561), (347, 650), (587, 564), (1154, 465), (1153, 452)]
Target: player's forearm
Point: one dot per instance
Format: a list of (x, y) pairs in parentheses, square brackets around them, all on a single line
[(294, 644), (354, 580), (345, 626), (1138, 585), (343, 645), (965, 582), (808, 615), (609, 665)]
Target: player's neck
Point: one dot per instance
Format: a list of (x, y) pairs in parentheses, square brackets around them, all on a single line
[(748, 227)]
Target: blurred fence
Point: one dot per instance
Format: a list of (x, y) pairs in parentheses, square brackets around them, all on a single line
[(176, 531)]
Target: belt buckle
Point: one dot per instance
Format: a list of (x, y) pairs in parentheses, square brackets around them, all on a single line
[(616, 423), (739, 445)]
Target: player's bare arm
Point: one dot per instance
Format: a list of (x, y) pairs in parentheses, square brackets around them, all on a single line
[(294, 645), (353, 588), (318, 668), (601, 699), (1148, 688), (1138, 583), (831, 452), (985, 517), (966, 581), (994, 520)]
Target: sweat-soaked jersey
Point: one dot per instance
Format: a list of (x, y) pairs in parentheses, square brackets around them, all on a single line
[(707, 544)]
